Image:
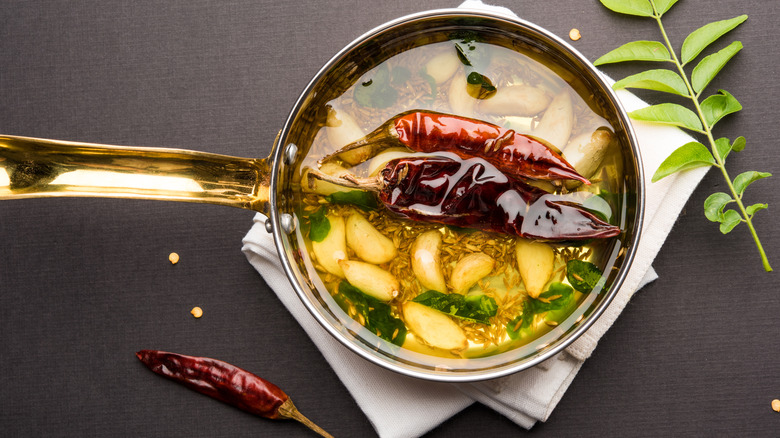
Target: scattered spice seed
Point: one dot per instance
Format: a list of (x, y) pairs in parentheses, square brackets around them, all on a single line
[(574, 34), (197, 312), (776, 405), (173, 258)]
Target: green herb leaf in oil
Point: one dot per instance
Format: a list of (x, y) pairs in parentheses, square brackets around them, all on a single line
[(700, 114), (471, 51), (522, 321), (359, 198), (584, 276), (476, 308), (479, 86), (376, 90), (319, 225), (558, 297), (375, 315)]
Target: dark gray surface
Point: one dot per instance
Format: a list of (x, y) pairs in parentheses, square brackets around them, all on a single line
[(85, 283)]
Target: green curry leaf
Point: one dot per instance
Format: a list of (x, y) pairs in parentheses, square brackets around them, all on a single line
[(718, 106), (359, 198), (658, 80), (320, 225), (462, 55), (636, 51), (711, 65), (729, 220), (739, 144), (744, 179), (522, 321), (559, 296), (669, 114), (470, 51), (708, 112), (476, 308), (714, 204), (752, 209), (723, 146), (584, 276), (376, 90), (377, 315), (479, 86), (483, 303), (556, 297), (702, 37), (688, 156), (641, 8)]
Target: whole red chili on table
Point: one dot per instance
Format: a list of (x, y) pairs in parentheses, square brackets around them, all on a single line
[(227, 383), (515, 154), (474, 194)]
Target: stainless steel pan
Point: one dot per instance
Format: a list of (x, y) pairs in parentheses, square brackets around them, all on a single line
[(46, 168)]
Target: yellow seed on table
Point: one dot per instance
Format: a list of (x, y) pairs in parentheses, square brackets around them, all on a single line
[(574, 34), (776, 405), (173, 258), (197, 312)]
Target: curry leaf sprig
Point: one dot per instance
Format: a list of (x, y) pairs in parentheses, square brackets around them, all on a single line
[(705, 114)]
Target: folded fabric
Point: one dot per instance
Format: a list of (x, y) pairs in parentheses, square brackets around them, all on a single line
[(524, 397)]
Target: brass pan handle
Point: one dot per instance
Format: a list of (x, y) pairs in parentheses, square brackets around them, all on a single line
[(36, 168)]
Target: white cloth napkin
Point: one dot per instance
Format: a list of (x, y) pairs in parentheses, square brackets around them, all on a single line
[(524, 397)]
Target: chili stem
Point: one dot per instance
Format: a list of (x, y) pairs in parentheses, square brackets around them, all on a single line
[(347, 180), (289, 411), (708, 132)]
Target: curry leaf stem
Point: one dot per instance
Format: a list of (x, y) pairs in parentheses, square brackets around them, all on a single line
[(708, 132)]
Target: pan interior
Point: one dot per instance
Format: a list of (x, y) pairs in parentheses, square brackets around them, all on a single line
[(359, 64)]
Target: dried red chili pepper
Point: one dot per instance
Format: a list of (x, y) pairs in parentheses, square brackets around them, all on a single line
[(474, 194), (515, 154), (227, 383)]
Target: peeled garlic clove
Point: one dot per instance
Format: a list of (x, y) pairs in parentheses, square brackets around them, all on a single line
[(469, 270), (535, 261), (434, 327), (461, 102), (586, 151), (367, 242), (341, 130), (371, 279), (426, 261), (333, 247), (557, 122), (321, 187), (517, 100), (441, 67)]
